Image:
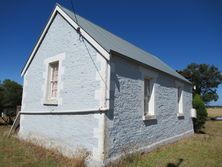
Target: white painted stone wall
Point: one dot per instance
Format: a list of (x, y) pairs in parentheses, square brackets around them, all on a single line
[(81, 88), (126, 131)]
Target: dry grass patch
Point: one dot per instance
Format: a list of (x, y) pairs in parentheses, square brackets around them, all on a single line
[(16, 153), (213, 112)]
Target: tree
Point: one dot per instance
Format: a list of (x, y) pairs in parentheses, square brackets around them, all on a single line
[(1, 98), (205, 79), (199, 105), (10, 98), (11, 93)]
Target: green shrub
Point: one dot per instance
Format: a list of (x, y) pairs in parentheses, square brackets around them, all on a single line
[(199, 105)]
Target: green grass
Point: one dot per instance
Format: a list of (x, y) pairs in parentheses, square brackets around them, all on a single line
[(200, 150)]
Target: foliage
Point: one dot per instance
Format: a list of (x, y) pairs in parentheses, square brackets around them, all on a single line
[(10, 97), (206, 78), (1, 98), (199, 105)]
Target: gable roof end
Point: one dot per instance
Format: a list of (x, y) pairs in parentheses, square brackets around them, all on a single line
[(110, 42), (58, 9)]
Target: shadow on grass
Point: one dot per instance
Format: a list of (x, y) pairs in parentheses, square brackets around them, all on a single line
[(175, 165), (201, 132)]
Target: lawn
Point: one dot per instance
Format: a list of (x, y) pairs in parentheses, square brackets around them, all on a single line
[(200, 150)]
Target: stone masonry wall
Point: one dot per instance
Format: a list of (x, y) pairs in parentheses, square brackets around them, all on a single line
[(125, 128), (79, 89)]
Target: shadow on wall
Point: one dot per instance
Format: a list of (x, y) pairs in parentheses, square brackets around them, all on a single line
[(116, 81), (120, 69), (150, 122), (175, 165)]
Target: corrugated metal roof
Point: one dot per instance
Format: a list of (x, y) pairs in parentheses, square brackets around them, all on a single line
[(111, 42)]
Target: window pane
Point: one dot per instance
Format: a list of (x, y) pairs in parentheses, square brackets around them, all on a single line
[(54, 67), (147, 87), (146, 95), (179, 94), (146, 107)]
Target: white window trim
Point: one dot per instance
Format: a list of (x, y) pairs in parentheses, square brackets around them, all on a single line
[(151, 110), (180, 105), (47, 62), (152, 76)]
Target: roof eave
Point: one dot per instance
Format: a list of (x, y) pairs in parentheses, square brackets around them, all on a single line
[(113, 52)]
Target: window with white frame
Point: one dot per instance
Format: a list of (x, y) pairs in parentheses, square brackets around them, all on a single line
[(180, 100), (148, 98), (53, 72)]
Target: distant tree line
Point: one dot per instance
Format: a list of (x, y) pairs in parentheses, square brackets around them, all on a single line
[(214, 106)]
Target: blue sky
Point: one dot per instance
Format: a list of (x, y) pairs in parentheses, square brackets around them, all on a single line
[(177, 31)]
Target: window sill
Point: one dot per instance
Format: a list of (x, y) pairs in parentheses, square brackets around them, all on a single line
[(51, 103), (149, 117)]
